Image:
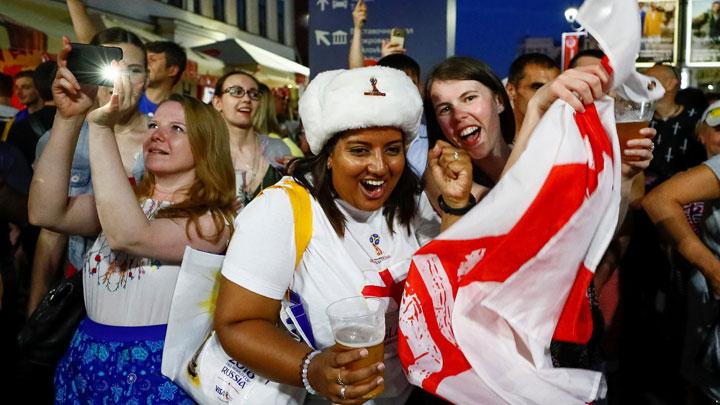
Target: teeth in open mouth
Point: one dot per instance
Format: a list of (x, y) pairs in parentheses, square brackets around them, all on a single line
[(468, 131), (374, 183)]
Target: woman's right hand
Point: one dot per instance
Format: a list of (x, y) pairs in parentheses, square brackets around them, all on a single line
[(71, 99), (329, 368), (451, 170)]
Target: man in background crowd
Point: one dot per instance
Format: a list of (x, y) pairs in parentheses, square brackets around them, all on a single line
[(25, 134), (166, 64), (27, 94), (527, 74)]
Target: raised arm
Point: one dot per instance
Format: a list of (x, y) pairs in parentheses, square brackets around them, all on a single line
[(82, 24), (578, 87), (123, 221), (356, 58), (664, 205), (49, 205)]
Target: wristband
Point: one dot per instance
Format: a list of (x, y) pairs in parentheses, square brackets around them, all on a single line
[(304, 371), (456, 211)]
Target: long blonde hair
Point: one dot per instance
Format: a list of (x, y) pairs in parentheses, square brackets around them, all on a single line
[(214, 187)]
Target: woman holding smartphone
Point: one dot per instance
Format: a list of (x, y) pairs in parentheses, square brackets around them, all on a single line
[(186, 198)]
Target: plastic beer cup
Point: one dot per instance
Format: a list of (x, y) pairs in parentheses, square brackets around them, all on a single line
[(359, 322), (630, 118)]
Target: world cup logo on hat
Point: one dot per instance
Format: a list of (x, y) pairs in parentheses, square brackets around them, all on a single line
[(375, 91), (374, 242)]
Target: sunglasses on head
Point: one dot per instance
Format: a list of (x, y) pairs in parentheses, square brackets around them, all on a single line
[(239, 92)]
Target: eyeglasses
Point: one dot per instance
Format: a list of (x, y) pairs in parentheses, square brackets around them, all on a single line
[(239, 92)]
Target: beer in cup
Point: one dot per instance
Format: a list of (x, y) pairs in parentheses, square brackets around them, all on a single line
[(359, 322), (630, 118)]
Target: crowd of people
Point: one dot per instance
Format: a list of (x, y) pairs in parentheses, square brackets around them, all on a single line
[(111, 184)]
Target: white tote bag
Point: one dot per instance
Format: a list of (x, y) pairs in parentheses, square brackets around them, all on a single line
[(193, 357)]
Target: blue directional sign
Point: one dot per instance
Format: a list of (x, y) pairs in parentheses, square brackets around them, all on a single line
[(429, 30)]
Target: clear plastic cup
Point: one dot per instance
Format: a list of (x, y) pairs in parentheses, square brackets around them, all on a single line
[(359, 322)]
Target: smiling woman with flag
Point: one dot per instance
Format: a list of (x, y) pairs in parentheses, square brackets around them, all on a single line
[(483, 301)]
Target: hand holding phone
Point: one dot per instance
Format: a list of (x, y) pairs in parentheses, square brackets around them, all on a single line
[(90, 64), (397, 37)]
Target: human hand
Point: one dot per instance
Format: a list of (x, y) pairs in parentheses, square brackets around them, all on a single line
[(451, 171), (577, 87), (359, 14), (638, 153), (389, 48), (328, 373), (71, 99), (123, 100)]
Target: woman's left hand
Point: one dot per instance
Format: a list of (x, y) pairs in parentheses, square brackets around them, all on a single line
[(577, 87), (123, 101), (638, 153)]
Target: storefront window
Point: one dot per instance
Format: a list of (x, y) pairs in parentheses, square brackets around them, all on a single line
[(262, 16), (219, 10), (241, 14), (281, 20)]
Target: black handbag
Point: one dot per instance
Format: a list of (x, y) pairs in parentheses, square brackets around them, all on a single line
[(47, 334), (709, 351)]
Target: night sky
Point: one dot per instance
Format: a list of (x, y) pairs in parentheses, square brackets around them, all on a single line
[(491, 30)]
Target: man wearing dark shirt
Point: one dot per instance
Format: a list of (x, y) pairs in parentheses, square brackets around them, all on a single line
[(676, 148), (25, 134)]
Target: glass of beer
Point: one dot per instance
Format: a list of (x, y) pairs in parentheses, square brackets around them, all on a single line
[(630, 118), (359, 322)]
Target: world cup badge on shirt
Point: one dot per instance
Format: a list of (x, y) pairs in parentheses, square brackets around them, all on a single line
[(375, 241)]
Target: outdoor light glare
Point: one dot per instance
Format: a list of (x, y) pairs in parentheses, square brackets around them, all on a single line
[(571, 14), (110, 73)]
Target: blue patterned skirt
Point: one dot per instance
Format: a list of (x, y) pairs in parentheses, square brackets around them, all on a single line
[(115, 365)]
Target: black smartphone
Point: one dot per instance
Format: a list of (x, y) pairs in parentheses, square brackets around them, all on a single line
[(90, 63)]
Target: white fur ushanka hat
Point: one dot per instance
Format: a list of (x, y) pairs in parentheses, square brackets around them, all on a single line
[(375, 96)]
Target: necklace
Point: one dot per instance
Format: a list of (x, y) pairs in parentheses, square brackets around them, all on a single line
[(244, 179)]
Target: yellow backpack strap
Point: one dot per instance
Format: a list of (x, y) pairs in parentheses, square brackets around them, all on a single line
[(6, 131), (302, 215)]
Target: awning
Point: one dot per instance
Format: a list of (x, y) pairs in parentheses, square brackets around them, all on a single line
[(238, 52), (206, 65)]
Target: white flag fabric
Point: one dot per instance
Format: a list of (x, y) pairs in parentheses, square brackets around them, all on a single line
[(483, 301)]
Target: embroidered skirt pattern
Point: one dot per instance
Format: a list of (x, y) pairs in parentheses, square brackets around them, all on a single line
[(115, 365)]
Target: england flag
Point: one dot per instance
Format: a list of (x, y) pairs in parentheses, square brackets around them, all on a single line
[(483, 301)]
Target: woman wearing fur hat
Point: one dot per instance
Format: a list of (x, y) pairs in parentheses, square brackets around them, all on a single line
[(368, 215)]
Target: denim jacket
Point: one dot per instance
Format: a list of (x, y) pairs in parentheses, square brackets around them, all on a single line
[(81, 183)]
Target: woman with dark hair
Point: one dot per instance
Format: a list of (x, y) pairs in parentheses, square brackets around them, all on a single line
[(467, 108), (368, 218), (185, 198), (256, 157)]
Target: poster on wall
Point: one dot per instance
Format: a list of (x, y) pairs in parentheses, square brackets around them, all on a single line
[(703, 33), (659, 38)]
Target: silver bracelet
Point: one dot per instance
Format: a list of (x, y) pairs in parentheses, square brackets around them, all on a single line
[(304, 371)]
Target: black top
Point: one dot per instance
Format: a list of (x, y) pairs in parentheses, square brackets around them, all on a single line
[(24, 134), (676, 147)]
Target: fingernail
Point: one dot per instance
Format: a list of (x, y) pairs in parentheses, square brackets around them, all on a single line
[(379, 381), (363, 353), (381, 367)]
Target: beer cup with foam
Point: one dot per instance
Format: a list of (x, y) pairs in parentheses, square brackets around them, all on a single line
[(359, 322), (630, 118)]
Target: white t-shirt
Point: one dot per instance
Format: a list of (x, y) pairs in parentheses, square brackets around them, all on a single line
[(261, 258), (126, 290)]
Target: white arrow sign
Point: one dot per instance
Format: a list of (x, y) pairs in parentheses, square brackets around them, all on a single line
[(322, 4), (322, 37)]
